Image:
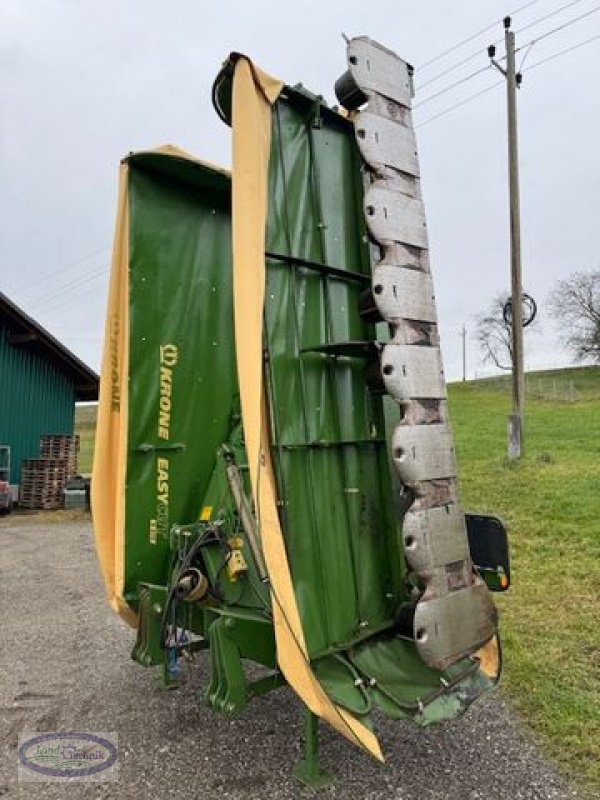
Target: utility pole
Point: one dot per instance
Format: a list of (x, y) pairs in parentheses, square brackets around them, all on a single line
[(463, 333), (513, 82)]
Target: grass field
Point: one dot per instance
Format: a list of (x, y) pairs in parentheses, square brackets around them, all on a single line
[(551, 504), (85, 426), (550, 501)]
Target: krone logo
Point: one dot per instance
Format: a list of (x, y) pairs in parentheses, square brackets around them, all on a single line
[(169, 355)]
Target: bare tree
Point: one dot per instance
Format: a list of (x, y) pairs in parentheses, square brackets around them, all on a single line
[(493, 330), (493, 334), (575, 304)]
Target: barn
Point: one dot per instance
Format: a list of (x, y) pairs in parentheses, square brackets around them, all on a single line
[(40, 382)]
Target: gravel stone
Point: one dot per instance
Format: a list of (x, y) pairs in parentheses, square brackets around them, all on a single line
[(65, 665)]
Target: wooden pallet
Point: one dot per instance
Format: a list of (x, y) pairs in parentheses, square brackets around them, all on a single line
[(54, 446), (43, 482)]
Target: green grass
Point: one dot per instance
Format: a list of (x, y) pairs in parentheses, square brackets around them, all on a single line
[(551, 504), (85, 426)]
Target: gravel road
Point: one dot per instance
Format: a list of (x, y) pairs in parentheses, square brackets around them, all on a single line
[(65, 665)]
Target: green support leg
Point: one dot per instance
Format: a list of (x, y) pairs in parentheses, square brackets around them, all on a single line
[(308, 770)]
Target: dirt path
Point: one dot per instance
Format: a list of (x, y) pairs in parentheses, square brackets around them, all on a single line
[(65, 665)]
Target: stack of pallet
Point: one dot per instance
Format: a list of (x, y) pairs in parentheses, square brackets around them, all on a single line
[(61, 447), (43, 479)]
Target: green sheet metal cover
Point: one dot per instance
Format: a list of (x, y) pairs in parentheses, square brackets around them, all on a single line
[(328, 428), (403, 686), (182, 358)]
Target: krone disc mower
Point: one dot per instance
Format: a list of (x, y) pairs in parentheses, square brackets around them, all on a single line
[(274, 475)]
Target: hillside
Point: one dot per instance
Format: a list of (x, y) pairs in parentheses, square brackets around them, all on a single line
[(550, 502), (85, 426)]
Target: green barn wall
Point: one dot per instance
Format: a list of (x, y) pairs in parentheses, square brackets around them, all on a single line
[(35, 398)]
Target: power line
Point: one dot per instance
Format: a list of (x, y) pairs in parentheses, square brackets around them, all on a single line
[(528, 45), (52, 275), (65, 302), (563, 52), (449, 69), (464, 102), (547, 16), (477, 54), (473, 36), (82, 280), (562, 27), (525, 57), (452, 86), (476, 95)]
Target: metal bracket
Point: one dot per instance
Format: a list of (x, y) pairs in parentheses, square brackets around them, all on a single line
[(226, 691), (434, 537), (395, 217), (423, 453), (403, 293), (448, 627), (385, 143), (147, 649), (413, 372), (374, 68), (308, 770)]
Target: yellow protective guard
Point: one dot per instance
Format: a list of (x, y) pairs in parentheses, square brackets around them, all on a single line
[(253, 94), (110, 452)]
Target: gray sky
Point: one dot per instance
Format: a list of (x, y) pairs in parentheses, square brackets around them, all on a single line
[(82, 82)]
